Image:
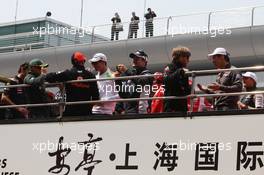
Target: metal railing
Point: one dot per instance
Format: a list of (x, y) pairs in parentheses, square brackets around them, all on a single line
[(192, 74), (173, 25), (190, 23)]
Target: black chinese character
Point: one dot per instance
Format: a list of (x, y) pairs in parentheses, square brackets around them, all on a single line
[(167, 156), (126, 166), (60, 158), (89, 153), (249, 157), (206, 157)]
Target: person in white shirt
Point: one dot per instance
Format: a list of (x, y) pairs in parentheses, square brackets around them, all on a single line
[(106, 88)]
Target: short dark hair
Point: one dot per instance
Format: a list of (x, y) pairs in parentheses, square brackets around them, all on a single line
[(24, 66)]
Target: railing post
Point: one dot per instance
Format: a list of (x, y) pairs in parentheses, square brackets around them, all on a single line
[(209, 21), (143, 28), (192, 91), (168, 24), (252, 16), (92, 37), (62, 101)]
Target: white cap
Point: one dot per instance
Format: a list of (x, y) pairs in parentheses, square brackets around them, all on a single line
[(98, 57), (218, 51), (250, 75)]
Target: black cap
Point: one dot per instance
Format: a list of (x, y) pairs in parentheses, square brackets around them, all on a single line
[(139, 54)]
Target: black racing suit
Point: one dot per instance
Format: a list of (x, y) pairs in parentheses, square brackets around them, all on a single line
[(36, 94), (84, 91), (130, 89), (176, 84)]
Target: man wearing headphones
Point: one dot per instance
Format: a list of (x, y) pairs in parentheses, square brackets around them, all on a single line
[(80, 91)]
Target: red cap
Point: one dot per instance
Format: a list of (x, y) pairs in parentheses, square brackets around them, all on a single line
[(79, 57)]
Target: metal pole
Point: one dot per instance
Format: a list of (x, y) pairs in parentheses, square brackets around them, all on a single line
[(143, 24), (15, 24), (192, 91), (252, 16), (92, 37), (62, 101), (209, 21), (81, 20), (168, 25), (16, 11)]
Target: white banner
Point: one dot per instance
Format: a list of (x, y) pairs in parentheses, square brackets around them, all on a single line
[(215, 145)]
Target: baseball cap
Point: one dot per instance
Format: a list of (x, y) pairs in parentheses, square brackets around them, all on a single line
[(98, 57), (139, 54), (38, 62), (79, 57), (218, 51), (250, 75)]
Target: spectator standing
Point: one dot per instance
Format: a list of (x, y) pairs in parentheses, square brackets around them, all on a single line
[(116, 27), (150, 15), (133, 26)]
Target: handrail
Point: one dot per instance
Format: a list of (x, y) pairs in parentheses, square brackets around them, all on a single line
[(209, 13), (22, 45), (215, 71), (188, 14), (26, 34), (134, 99), (189, 73)]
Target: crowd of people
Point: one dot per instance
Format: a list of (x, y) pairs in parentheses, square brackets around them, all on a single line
[(117, 25), (173, 82)]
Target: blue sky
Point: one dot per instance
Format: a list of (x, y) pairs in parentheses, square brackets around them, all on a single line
[(100, 11)]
